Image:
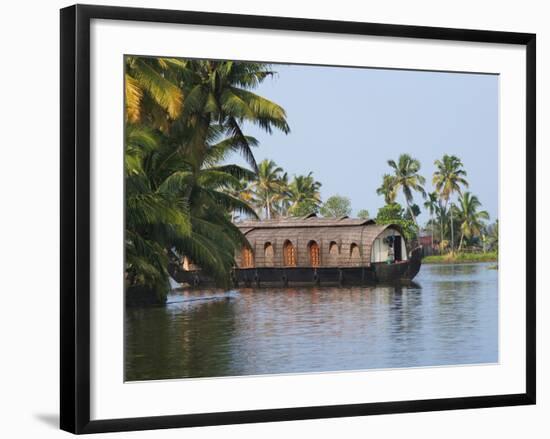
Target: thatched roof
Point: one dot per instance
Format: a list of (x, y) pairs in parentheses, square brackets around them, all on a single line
[(311, 220)]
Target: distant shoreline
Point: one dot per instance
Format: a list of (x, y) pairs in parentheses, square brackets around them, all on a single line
[(461, 258)]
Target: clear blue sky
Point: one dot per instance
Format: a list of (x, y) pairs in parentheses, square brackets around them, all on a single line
[(347, 122)]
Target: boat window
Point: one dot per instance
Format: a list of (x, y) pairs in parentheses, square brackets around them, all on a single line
[(333, 249), (268, 254), (314, 254), (289, 254), (247, 258), (354, 252)]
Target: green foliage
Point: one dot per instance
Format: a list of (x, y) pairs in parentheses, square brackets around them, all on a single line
[(460, 257), (304, 195), (273, 195), (183, 121), (303, 209), (431, 203), (469, 217), (269, 187), (390, 212), (387, 189), (336, 206), (395, 214), (412, 212), (363, 214), (407, 179), (449, 176), (492, 236)]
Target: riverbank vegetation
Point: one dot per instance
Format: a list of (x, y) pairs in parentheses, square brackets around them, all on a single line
[(461, 258), (457, 229)]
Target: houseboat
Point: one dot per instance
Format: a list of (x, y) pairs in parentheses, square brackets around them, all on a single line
[(317, 251)]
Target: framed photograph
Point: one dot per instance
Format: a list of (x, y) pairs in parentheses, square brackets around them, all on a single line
[(272, 218)]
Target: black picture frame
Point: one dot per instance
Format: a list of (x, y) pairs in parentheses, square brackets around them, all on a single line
[(75, 217)]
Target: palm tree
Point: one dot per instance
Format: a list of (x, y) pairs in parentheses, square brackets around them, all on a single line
[(431, 205), (183, 120), (153, 217), (471, 220), (448, 179), (219, 92), (282, 202), (493, 236), (304, 195), (268, 186), (387, 189), (242, 191), (169, 180), (407, 179), (151, 95), (442, 214)]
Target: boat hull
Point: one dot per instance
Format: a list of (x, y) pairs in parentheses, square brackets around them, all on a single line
[(298, 276)]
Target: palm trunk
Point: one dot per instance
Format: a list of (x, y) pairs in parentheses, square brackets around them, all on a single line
[(412, 214), (452, 232), (445, 209), (461, 239), (440, 233), (432, 227)]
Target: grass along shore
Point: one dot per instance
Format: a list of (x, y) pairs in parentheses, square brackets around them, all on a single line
[(461, 258)]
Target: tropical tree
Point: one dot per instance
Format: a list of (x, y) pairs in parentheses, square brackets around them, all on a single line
[(363, 214), (395, 214), (304, 195), (152, 94), (178, 206), (387, 189), (449, 178), (282, 202), (442, 215), (183, 121), (431, 205), (412, 212), (407, 179), (268, 186), (153, 217), (469, 217), (242, 190), (336, 206), (219, 92), (492, 236)]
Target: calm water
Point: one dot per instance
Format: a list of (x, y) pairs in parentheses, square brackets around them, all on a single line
[(449, 316)]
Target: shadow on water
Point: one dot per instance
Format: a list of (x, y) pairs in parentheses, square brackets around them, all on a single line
[(447, 316), (179, 340)]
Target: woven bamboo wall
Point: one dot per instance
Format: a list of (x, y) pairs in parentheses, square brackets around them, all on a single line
[(345, 233)]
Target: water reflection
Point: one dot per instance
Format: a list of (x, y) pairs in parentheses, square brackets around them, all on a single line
[(449, 316)]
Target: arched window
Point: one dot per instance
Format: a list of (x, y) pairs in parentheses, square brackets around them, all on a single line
[(247, 258), (333, 250), (355, 255), (333, 254), (268, 254), (314, 254), (289, 254)]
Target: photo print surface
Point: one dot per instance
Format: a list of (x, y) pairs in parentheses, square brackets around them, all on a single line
[(285, 219)]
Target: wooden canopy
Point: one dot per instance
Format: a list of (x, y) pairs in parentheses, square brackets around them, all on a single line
[(310, 241)]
